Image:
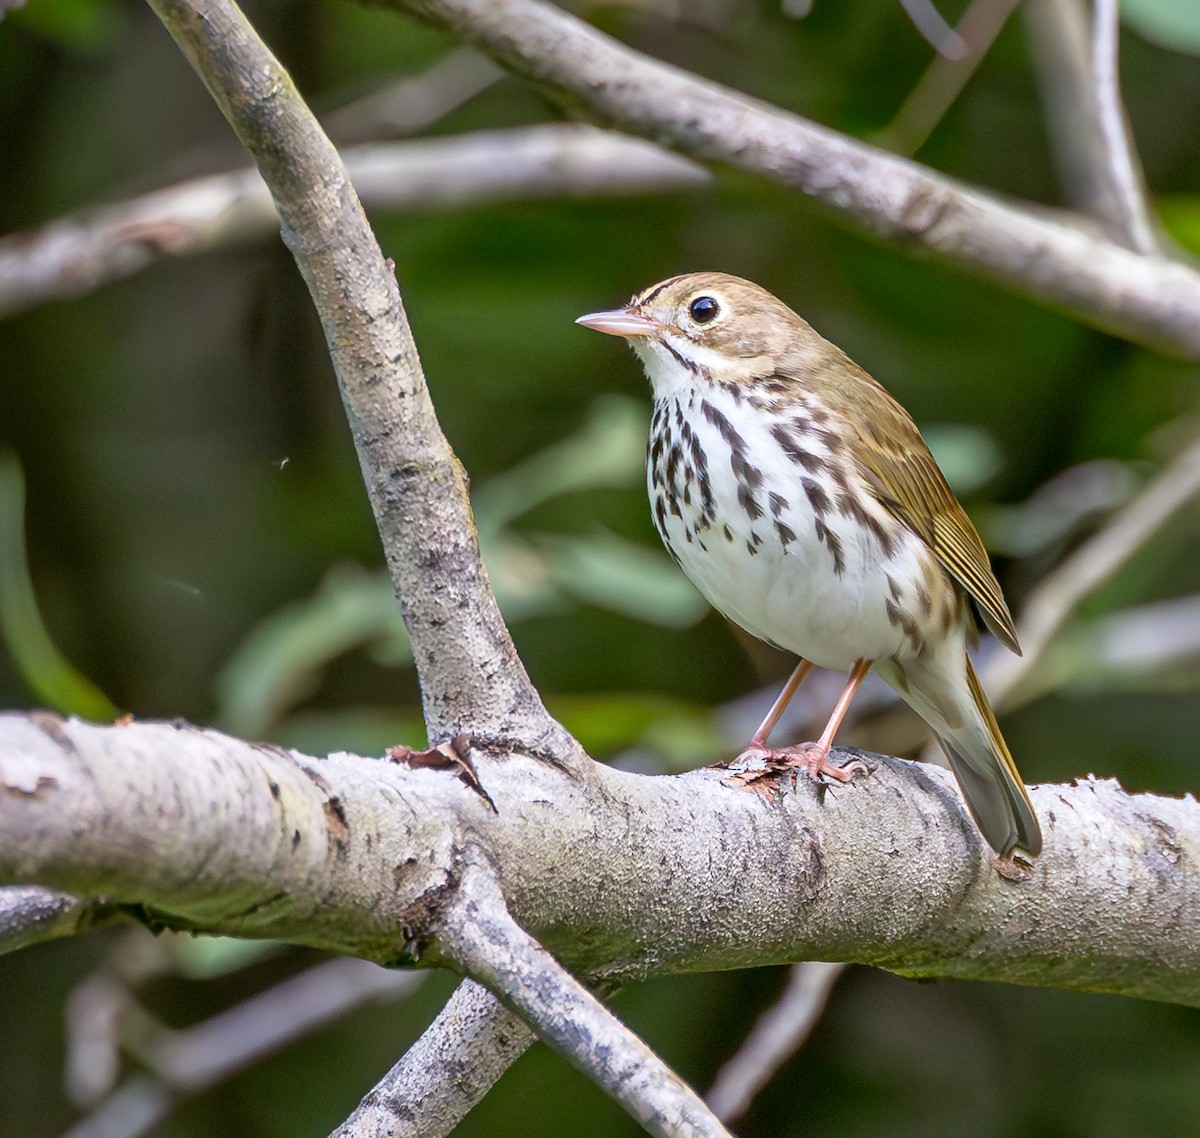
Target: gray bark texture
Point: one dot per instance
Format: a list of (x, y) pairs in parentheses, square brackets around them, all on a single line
[(620, 875)]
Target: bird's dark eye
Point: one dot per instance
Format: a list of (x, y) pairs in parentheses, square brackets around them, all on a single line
[(704, 309)]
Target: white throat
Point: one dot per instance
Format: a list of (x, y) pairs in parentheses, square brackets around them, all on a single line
[(667, 365)]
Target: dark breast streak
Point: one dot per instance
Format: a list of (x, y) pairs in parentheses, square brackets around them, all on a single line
[(681, 473)]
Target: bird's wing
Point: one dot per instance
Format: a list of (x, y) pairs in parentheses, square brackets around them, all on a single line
[(897, 464)]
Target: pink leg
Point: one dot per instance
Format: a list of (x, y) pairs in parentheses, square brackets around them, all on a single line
[(813, 756), (765, 728), (857, 674)]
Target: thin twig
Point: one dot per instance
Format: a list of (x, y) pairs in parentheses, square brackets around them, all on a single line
[(481, 936), (416, 101), (945, 78), (944, 39), (779, 1033), (1148, 299)]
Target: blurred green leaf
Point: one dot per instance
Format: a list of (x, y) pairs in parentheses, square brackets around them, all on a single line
[(280, 661), (209, 957), (1169, 23), (47, 672), (606, 723), (968, 455), (608, 571), (361, 729), (83, 25), (1180, 213), (608, 450)]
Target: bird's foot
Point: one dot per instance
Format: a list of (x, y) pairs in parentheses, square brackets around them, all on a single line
[(756, 762)]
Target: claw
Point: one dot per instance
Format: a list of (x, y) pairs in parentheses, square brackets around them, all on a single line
[(813, 758)]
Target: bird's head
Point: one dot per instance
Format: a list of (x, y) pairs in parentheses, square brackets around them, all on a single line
[(705, 327)]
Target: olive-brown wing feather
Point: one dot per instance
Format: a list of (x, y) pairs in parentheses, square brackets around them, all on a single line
[(897, 463)]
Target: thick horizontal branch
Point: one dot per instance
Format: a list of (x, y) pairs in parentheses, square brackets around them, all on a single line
[(197, 830), (1148, 299), (76, 254)]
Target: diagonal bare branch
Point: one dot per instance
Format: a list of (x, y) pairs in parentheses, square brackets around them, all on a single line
[(414, 102), (945, 78), (779, 1033), (1050, 259), (470, 674), (183, 1062), (479, 934), (1012, 680), (470, 1044)]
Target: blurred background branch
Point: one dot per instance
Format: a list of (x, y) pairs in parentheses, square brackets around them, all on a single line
[(76, 254), (1153, 301), (1075, 63), (106, 1022), (777, 1035), (944, 79)]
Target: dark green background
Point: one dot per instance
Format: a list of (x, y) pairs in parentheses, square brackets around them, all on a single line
[(152, 419)]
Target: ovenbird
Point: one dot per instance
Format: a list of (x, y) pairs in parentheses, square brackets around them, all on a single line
[(801, 500)]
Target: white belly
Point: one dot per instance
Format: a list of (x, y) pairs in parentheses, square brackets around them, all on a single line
[(760, 535)]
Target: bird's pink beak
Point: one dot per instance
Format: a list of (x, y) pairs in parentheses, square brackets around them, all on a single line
[(619, 322)]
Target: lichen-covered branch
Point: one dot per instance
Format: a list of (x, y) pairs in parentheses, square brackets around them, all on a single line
[(1150, 300)]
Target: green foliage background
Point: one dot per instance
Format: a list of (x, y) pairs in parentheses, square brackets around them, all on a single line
[(200, 545)]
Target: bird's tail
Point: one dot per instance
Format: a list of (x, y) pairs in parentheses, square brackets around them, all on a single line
[(989, 778)]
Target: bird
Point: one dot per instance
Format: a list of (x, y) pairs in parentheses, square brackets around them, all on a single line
[(801, 500)]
